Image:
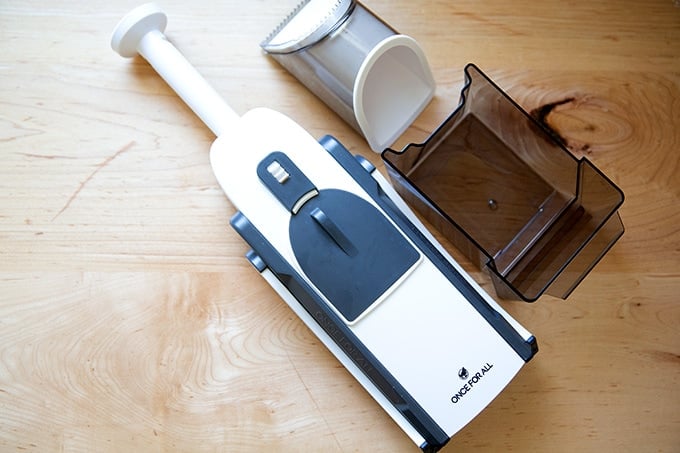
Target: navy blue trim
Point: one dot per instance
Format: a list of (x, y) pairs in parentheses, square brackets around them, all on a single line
[(368, 166), (526, 349), (341, 334), (256, 260)]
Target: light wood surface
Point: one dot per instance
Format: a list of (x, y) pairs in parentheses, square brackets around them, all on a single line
[(130, 321)]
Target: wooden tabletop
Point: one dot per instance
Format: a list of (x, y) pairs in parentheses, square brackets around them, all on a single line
[(130, 320)]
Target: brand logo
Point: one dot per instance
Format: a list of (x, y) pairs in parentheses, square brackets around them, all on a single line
[(341, 340), (472, 381)]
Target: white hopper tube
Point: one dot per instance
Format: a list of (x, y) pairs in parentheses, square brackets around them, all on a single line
[(376, 79), (141, 31)]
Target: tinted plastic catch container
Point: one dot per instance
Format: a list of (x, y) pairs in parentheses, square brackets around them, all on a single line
[(509, 195), (376, 79)]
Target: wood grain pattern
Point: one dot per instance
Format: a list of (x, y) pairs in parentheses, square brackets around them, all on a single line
[(129, 320)]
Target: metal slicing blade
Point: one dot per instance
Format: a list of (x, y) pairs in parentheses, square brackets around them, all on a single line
[(308, 23)]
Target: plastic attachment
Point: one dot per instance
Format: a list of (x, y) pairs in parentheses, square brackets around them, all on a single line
[(509, 195), (141, 31), (377, 80)]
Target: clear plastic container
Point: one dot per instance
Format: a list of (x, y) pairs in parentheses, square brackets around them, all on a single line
[(509, 195)]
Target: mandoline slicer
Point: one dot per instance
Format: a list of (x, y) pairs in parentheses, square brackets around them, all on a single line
[(376, 79), (342, 249)]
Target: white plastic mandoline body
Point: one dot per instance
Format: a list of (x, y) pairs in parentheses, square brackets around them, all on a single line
[(425, 332)]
